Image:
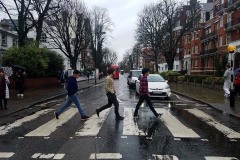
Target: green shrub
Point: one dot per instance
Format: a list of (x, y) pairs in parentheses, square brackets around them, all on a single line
[(181, 78), (208, 80), (38, 62)]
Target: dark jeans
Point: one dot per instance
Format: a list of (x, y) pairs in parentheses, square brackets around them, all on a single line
[(4, 102), (20, 86), (112, 99), (140, 101), (237, 90)]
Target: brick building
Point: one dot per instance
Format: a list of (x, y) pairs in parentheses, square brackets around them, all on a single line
[(218, 27)]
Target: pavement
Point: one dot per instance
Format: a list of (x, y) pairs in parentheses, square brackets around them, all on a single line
[(35, 96), (212, 97)]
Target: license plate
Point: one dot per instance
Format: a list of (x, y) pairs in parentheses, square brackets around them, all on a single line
[(157, 92)]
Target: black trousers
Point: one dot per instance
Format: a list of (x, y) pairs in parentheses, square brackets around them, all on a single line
[(140, 101), (237, 90), (4, 102), (20, 86), (112, 99)]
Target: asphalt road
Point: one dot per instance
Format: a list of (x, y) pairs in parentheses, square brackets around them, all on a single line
[(187, 130)]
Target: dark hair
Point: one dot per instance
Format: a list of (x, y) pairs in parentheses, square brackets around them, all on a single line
[(228, 65), (111, 70), (76, 72), (145, 70)]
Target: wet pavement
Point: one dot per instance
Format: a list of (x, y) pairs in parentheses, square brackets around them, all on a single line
[(212, 97)]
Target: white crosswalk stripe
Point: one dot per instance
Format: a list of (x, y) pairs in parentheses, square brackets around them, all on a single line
[(176, 127), (47, 156), (230, 133), (165, 157), (48, 128), (7, 128), (6, 154), (93, 125), (105, 156), (220, 158)]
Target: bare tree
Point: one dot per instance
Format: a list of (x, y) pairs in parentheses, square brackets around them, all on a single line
[(149, 31), (69, 30), (101, 24), (109, 56), (18, 9)]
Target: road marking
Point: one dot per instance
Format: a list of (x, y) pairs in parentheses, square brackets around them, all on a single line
[(93, 125), (105, 156), (220, 158), (176, 127), (6, 154), (47, 156), (129, 126), (165, 157), (7, 128), (214, 123), (46, 129)]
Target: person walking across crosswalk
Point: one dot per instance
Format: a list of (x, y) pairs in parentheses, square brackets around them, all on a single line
[(144, 95), (72, 89), (111, 94)]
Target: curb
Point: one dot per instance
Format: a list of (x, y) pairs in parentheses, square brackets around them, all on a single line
[(47, 99), (204, 102)]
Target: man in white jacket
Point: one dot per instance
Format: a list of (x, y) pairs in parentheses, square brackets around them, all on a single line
[(227, 81)]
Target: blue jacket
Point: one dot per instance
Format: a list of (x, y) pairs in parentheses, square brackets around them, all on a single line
[(72, 86)]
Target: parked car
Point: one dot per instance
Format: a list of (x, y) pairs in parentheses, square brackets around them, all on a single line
[(157, 86), (133, 77)]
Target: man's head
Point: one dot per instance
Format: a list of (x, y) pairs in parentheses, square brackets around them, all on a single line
[(76, 73), (228, 65), (1, 72), (145, 71), (111, 71)]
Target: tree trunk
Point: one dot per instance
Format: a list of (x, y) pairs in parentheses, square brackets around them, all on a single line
[(21, 25), (170, 62)]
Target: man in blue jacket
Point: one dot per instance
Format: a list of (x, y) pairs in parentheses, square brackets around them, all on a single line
[(72, 89)]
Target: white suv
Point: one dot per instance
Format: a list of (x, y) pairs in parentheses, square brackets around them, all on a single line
[(133, 77)]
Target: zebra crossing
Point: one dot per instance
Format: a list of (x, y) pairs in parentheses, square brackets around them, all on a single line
[(93, 126)]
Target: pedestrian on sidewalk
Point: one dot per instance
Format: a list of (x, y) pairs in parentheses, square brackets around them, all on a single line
[(111, 94), (237, 83), (4, 90), (144, 95), (227, 81), (20, 81), (72, 89)]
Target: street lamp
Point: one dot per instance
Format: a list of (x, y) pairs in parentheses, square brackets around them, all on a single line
[(231, 49)]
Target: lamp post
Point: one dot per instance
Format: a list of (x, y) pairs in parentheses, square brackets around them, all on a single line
[(231, 49)]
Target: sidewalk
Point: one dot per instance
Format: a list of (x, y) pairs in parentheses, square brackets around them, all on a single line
[(211, 97), (39, 95)]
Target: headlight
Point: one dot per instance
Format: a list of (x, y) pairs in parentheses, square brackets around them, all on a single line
[(167, 87)]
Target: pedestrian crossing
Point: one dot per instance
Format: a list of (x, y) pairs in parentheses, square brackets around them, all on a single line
[(93, 126)]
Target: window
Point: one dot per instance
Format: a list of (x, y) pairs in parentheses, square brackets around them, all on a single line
[(15, 41), (196, 63), (228, 38), (43, 38), (189, 39), (4, 40), (221, 21), (229, 17), (220, 41), (196, 35), (196, 49), (189, 51)]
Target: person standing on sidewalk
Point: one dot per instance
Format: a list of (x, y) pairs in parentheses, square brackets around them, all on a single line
[(237, 83), (72, 89), (144, 95), (227, 81), (20, 81), (111, 94), (4, 90)]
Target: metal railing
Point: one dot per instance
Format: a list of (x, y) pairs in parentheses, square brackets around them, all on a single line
[(212, 34), (232, 23)]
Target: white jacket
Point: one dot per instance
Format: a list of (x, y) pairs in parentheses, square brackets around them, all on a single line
[(7, 89)]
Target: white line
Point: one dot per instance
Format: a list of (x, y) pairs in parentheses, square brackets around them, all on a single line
[(214, 123), (93, 125), (7, 128), (6, 154), (105, 156), (182, 98), (178, 129), (129, 126), (59, 156), (165, 157), (47, 156), (46, 129), (220, 158)]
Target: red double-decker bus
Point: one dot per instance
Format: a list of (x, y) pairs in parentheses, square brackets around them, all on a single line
[(116, 67)]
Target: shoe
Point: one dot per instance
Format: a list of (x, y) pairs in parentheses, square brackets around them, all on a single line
[(5, 108), (18, 95), (1, 108), (21, 95), (84, 118), (56, 115), (137, 116), (97, 112), (119, 118), (159, 115)]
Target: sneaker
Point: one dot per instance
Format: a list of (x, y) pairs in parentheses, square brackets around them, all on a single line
[(137, 116), (84, 118), (119, 118), (21, 95), (159, 115), (56, 115), (97, 112), (18, 95)]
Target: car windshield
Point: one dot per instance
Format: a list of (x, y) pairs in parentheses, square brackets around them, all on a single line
[(155, 79), (136, 73)]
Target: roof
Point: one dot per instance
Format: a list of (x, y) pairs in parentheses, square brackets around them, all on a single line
[(207, 6), (5, 31)]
